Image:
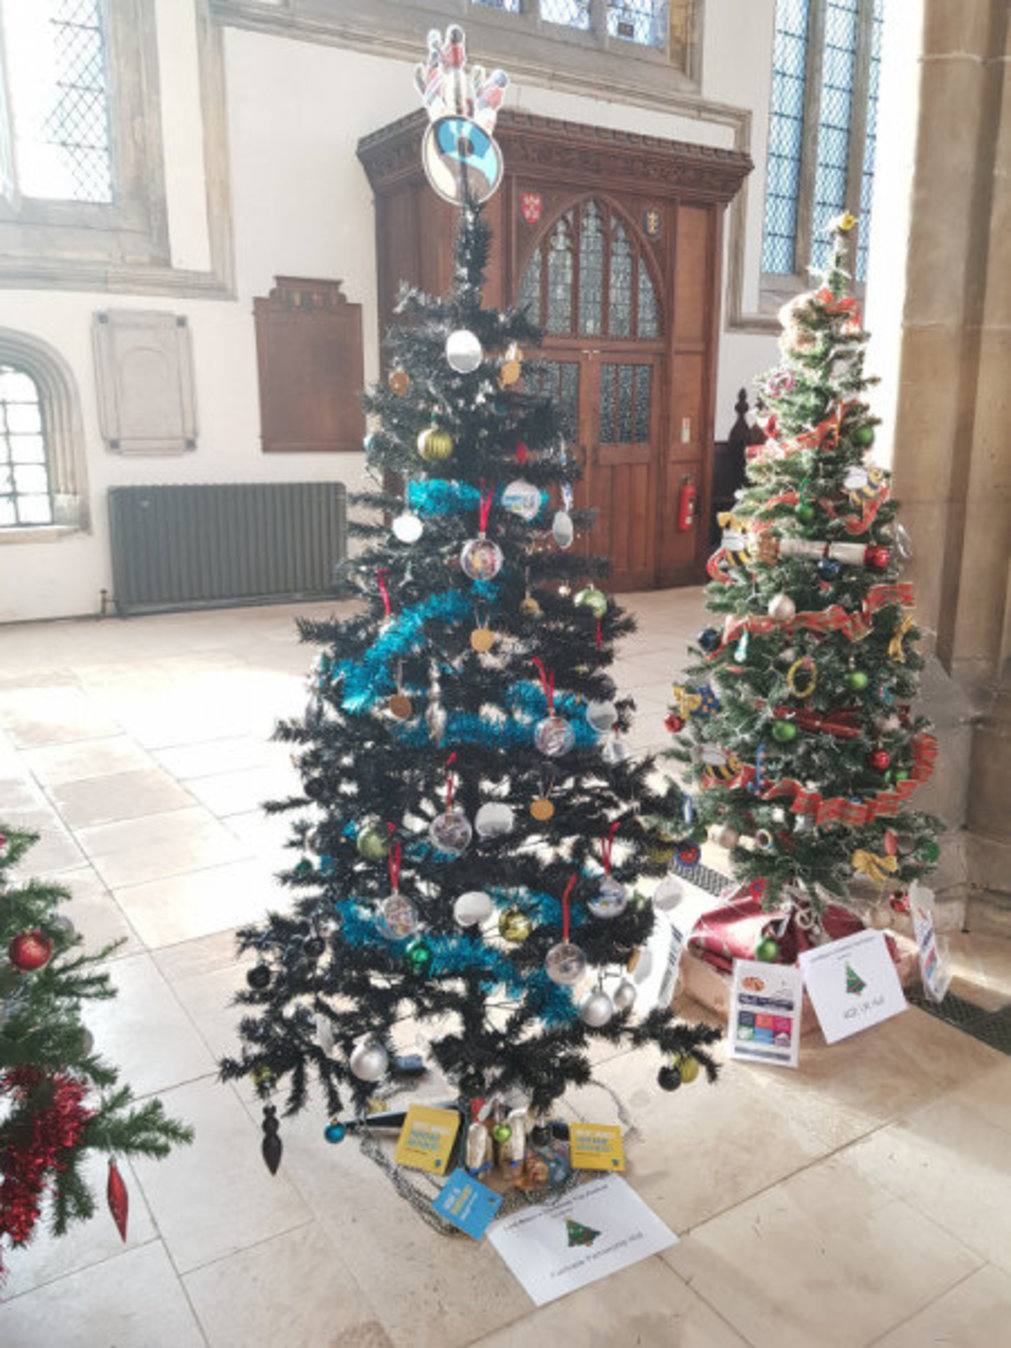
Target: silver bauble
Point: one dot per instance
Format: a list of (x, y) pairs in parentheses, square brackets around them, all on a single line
[(596, 1009), (565, 963), (473, 907), (463, 351), (408, 527), (562, 529), (610, 899), (614, 749), (494, 820), (601, 715), (624, 995), (782, 608), (668, 894), (369, 1061)]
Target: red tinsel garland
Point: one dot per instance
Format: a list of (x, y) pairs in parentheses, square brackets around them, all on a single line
[(37, 1142)]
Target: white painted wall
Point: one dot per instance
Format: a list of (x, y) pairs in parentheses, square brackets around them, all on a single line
[(302, 206)]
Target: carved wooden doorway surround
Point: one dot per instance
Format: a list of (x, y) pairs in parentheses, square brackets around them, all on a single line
[(615, 240)]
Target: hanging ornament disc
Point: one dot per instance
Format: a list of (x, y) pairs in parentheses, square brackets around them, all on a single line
[(562, 529), (408, 527), (481, 559), (610, 899), (494, 820), (397, 917), (463, 351), (554, 736), (522, 498), (565, 964), (542, 809), (451, 832), (400, 706), (473, 907), (601, 715)]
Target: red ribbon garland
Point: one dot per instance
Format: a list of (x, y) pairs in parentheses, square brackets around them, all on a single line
[(565, 907), (449, 781), (548, 683), (381, 573), (607, 846), (832, 619), (394, 858)]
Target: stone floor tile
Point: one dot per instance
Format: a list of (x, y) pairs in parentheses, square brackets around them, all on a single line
[(205, 975), (117, 796), (132, 1301), (229, 793), (95, 913), (131, 851), (199, 902), (52, 713), (291, 1289), (208, 757), (216, 1197), (58, 763), (144, 1030), (969, 1315), (827, 1257)]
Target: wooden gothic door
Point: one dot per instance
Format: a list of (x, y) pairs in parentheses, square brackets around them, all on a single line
[(589, 284)]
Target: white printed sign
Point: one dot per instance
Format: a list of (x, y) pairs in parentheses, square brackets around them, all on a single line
[(556, 1247), (852, 984), (934, 969), (765, 1010)]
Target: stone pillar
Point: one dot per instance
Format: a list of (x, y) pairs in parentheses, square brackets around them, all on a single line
[(952, 458)]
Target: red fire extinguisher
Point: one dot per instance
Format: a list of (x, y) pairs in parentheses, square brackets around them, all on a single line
[(686, 504)]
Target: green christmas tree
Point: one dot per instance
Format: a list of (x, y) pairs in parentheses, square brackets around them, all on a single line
[(854, 983), (797, 721), (58, 1099), (472, 825), (579, 1234)]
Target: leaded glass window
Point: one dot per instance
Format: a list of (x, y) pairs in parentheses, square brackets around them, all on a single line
[(625, 394), (589, 278), (571, 13), (25, 496), (558, 380), (58, 98), (826, 66), (642, 21)]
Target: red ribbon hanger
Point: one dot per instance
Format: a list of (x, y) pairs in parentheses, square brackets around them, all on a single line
[(607, 846), (381, 574), (565, 907), (548, 683), (449, 781), (394, 859)]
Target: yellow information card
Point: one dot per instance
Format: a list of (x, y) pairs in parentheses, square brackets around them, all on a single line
[(426, 1139), (596, 1146)]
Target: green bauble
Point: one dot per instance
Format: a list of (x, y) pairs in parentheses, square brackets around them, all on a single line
[(593, 599), (767, 950), (784, 731), (501, 1132), (689, 1069), (804, 511), (863, 435), (929, 851), (373, 844), (855, 680), (419, 954)]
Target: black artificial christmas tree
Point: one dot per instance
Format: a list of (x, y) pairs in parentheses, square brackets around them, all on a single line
[(59, 1099), (797, 720), (472, 824)]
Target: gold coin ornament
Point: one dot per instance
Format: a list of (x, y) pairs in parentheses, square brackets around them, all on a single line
[(435, 444), (542, 809), (802, 677), (509, 372), (400, 382), (514, 925), (482, 639), (400, 705)]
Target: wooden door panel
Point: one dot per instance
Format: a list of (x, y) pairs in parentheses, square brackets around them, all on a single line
[(687, 406), (692, 284), (611, 456)]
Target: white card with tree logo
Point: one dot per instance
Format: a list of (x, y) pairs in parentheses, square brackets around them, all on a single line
[(852, 984), (556, 1247)]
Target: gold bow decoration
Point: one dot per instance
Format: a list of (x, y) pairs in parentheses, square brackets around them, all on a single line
[(876, 868), (895, 647)]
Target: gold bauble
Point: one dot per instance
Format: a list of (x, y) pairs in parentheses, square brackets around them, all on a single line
[(482, 639), (435, 443), (514, 925), (542, 809), (509, 372), (529, 606), (400, 382)]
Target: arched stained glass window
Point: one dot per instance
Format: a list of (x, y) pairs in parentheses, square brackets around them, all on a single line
[(588, 278), (25, 495)]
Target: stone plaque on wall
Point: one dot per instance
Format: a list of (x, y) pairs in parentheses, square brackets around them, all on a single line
[(144, 379), (311, 366)]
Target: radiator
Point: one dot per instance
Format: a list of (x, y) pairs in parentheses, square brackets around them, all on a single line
[(221, 544)]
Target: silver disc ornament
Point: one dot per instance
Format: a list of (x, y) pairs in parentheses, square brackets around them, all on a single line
[(565, 964), (408, 527), (494, 820), (668, 894), (522, 498), (481, 559), (610, 899), (451, 832), (397, 917), (554, 736), (601, 716), (562, 529), (473, 907), (624, 995), (463, 351), (369, 1061)]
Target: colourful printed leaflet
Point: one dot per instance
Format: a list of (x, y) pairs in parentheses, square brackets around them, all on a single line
[(467, 1203), (596, 1146), (426, 1138), (765, 1007)]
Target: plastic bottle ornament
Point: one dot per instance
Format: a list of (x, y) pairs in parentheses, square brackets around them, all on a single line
[(610, 899), (593, 599), (902, 543), (565, 964), (624, 995), (481, 558), (435, 444), (554, 736), (614, 749), (668, 894), (764, 840), (601, 715), (472, 908), (494, 820), (397, 917), (372, 844), (522, 498), (463, 351), (562, 529), (369, 1061), (596, 1009), (514, 925), (408, 527), (451, 832), (782, 608)]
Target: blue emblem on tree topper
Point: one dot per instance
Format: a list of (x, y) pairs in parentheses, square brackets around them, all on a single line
[(460, 155)]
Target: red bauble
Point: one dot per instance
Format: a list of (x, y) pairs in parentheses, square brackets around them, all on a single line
[(877, 557), (30, 950), (674, 723), (118, 1198), (879, 759)]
